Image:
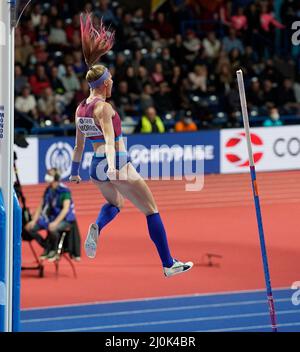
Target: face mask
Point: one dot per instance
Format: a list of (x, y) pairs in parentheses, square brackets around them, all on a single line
[(49, 178), (275, 116)]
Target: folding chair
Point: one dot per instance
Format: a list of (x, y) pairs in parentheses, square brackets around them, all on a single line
[(63, 251), (39, 265)]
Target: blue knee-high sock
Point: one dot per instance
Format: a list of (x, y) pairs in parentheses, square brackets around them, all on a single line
[(158, 236), (106, 215)]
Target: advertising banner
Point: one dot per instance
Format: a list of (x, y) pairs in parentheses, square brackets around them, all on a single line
[(274, 148), (153, 155)]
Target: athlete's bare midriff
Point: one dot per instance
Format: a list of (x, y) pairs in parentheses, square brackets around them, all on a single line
[(99, 147)]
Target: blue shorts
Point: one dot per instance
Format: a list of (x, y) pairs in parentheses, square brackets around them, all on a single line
[(99, 165)]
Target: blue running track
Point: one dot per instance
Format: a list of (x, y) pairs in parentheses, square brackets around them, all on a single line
[(232, 311)]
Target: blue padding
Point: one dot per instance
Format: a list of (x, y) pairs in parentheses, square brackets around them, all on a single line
[(2, 261), (16, 264)]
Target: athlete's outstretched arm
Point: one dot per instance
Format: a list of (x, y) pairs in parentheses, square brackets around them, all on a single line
[(79, 146), (77, 155)]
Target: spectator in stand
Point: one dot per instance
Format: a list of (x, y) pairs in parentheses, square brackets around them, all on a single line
[(273, 119), (73, 27), (143, 75), (157, 43), (53, 14), (269, 93), (191, 45), (286, 97), (137, 60), (134, 85), (103, 11), (26, 103), (232, 106), (150, 122), (120, 66), (175, 82), (30, 31), (232, 41), (225, 9), (36, 15), (146, 99), (18, 47), (76, 41), (177, 50), (158, 74), (198, 79), (253, 25), (138, 19), (125, 30), (151, 58), (224, 79), (250, 62), (39, 81), (24, 50), (186, 123), (285, 67), (79, 65), (50, 105), (270, 72), (255, 96), (267, 29), (267, 20), (119, 13), (239, 21), (56, 82), (70, 80), (222, 59), (20, 80), (212, 46), (124, 101), (167, 61), (162, 26), (40, 53), (163, 100), (43, 30), (58, 37)]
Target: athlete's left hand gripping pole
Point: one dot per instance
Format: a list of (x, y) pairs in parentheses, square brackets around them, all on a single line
[(240, 80)]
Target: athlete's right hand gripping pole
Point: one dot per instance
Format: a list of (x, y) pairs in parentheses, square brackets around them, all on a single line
[(240, 80)]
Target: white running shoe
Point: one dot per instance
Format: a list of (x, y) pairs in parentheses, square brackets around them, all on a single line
[(178, 268), (90, 244)]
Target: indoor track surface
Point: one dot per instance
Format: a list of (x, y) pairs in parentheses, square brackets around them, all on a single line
[(218, 220), (243, 311)]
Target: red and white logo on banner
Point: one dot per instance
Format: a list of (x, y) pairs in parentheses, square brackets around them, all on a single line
[(233, 151)]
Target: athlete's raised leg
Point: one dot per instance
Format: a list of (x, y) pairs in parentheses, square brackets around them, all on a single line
[(136, 190)]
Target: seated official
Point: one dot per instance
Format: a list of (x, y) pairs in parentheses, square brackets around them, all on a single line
[(55, 213)]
